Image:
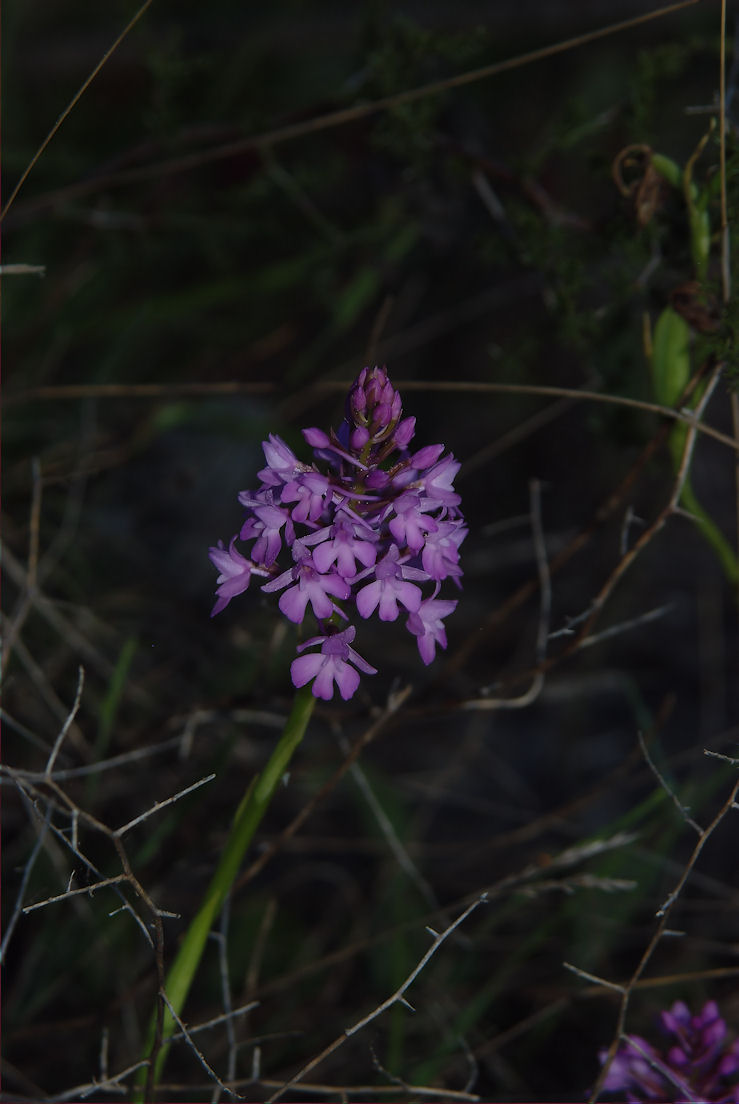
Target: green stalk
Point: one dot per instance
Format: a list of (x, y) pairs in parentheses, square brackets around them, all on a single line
[(671, 370), (251, 809), (712, 534)]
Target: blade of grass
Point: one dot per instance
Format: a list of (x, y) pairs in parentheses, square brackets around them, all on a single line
[(72, 104), (108, 710)]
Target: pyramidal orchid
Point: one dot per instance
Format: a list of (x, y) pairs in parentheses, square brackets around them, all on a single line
[(369, 527), (698, 1063)]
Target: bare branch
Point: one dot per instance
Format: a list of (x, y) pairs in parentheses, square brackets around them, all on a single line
[(198, 1054), (30, 862), (222, 938), (65, 727), (84, 890), (683, 810), (662, 916), (115, 761), (113, 1084), (603, 983), (158, 805), (396, 998), (625, 626), (225, 1017), (718, 755)]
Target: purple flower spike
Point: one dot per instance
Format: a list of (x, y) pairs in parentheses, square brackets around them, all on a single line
[(700, 1063), (370, 525)]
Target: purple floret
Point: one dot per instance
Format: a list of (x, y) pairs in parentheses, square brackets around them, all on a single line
[(427, 624), (343, 545), (331, 665), (389, 587), (235, 574), (309, 585)]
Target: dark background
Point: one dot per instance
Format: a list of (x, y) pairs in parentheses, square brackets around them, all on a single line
[(472, 235)]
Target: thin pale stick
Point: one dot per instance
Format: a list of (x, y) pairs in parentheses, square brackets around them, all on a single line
[(666, 787), (223, 970), (684, 1092), (80, 1091), (35, 522), (725, 232), (162, 805), (599, 981), (22, 270), (624, 626), (348, 1091), (66, 726), (72, 104), (395, 998), (358, 111), (648, 535), (39, 677), (18, 908), (718, 755), (104, 765), (217, 1020), (233, 387), (199, 1055), (725, 252), (83, 890), (735, 421), (49, 612)]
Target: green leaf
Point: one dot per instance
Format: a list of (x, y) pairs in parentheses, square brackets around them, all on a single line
[(670, 357)]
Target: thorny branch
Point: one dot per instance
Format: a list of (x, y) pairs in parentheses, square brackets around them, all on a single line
[(663, 914), (394, 998), (583, 637)]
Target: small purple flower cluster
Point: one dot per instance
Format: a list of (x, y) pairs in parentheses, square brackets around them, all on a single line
[(366, 529), (700, 1064)]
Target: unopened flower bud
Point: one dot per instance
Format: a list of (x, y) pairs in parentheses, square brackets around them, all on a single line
[(359, 438)]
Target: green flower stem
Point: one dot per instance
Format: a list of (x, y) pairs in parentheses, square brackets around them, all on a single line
[(671, 372), (712, 534), (251, 809)]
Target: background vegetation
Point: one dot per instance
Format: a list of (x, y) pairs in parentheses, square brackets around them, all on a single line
[(201, 288)]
